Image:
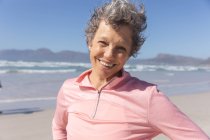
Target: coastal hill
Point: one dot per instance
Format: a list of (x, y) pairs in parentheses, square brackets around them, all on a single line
[(168, 59), (44, 54)]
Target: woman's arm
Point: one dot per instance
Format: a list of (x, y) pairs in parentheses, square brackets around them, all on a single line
[(166, 117), (60, 118)]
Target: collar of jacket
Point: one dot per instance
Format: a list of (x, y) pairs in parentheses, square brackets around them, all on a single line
[(83, 80)]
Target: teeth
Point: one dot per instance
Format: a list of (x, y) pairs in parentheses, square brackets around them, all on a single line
[(107, 65)]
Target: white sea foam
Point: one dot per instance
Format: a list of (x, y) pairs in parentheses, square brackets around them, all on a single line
[(27, 99), (40, 64), (164, 68), (30, 71), (65, 67), (41, 67)]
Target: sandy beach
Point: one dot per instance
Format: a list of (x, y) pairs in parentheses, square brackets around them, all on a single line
[(37, 125)]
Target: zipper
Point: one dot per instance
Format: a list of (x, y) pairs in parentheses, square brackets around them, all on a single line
[(96, 106), (98, 98)]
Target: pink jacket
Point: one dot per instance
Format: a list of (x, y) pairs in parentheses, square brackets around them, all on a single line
[(125, 109)]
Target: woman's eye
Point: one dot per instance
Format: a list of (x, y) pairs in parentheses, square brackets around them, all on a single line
[(102, 43), (121, 49)]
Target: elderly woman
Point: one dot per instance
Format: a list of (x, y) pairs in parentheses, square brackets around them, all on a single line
[(106, 102)]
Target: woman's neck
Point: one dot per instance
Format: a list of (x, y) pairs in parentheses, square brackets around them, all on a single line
[(97, 81)]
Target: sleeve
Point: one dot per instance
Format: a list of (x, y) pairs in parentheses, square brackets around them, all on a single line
[(173, 123), (60, 118)]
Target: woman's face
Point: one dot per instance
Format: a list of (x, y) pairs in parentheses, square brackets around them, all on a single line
[(109, 50)]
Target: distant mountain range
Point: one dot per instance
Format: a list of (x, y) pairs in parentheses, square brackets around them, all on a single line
[(44, 54), (168, 59)]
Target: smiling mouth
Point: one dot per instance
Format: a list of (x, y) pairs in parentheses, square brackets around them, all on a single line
[(108, 65)]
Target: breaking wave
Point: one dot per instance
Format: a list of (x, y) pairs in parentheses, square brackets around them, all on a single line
[(66, 67)]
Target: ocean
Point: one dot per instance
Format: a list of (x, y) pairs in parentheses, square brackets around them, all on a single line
[(36, 84)]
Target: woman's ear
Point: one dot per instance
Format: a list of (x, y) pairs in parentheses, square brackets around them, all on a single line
[(89, 47)]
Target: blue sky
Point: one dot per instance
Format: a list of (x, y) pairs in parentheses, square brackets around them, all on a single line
[(179, 27)]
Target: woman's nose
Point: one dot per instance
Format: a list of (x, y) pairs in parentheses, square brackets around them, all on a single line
[(109, 53)]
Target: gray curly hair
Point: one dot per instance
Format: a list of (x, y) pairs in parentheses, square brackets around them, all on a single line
[(116, 13)]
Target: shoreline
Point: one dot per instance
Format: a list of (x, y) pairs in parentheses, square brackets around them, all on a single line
[(37, 125)]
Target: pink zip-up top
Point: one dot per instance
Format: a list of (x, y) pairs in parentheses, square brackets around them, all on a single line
[(124, 109)]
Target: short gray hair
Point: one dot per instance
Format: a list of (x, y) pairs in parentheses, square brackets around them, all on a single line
[(116, 13)]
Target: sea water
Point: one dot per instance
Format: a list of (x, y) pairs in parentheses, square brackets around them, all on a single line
[(36, 84)]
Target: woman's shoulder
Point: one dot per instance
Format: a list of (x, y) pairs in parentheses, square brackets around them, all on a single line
[(138, 87), (69, 81), (141, 84)]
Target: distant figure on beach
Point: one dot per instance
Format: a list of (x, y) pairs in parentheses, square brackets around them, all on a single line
[(106, 102), (0, 85)]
